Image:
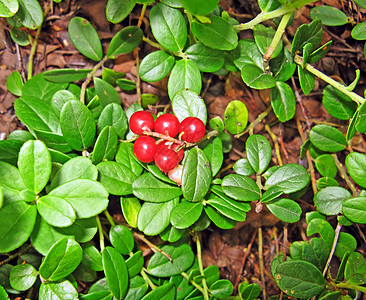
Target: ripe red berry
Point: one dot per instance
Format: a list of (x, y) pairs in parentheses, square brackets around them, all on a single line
[(166, 159), (193, 129), (174, 146), (145, 148), (141, 121), (167, 124)]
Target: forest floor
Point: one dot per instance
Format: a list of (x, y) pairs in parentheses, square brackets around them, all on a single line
[(235, 251)]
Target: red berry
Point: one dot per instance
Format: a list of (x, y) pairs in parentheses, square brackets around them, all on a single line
[(145, 148), (141, 121), (166, 159), (174, 146), (193, 129), (167, 124)]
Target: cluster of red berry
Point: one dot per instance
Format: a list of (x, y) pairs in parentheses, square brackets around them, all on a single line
[(167, 151)]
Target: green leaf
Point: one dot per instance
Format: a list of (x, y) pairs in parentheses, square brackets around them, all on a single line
[(187, 103), (115, 270), (289, 178), (57, 290), (156, 65), (206, 59), (20, 135), (60, 98), (326, 166), (105, 146), (130, 209), (185, 214), (218, 219), (285, 209), (263, 37), (269, 5), (327, 138), (200, 7), (197, 176), (299, 279), (248, 53), (283, 101), (65, 75), (182, 258), (148, 188), (338, 104), (113, 115), (236, 117), (355, 209), (91, 257), (61, 260), (249, 291), (8, 8), (125, 157), (185, 75), (359, 31), (83, 229), (215, 155), (56, 211), (106, 92), (117, 11), (259, 152), (256, 78), (22, 277), (227, 208), (360, 118), (172, 234), (328, 15), (320, 52), (307, 80), (355, 270), (164, 292), (240, 187), (137, 288), (135, 263), (221, 289), (35, 165), (217, 123), (168, 27), (218, 34), (77, 125), (322, 227), (87, 197), (9, 151), (125, 41), (241, 206), (356, 166), (153, 218), (121, 239), (307, 33), (14, 83), (29, 14), (85, 38), (346, 244)]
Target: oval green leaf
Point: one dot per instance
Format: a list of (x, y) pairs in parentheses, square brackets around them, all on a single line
[(121, 239), (185, 214), (105, 146), (236, 117), (283, 101), (187, 103), (117, 11), (355, 209), (259, 152), (106, 92), (22, 277), (255, 77), (156, 65), (356, 166), (285, 209), (327, 138), (329, 15), (125, 41)]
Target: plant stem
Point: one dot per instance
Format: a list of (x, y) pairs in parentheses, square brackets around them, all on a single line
[(351, 286), (153, 247), (90, 77), (109, 217), (198, 287), (156, 45), (255, 122), (342, 88), (147, 279), (199, 257), (277, 147), (337, 232), (19, 253), (344, 175), (263, 16), (142, 15), (101, 236), (261, 263)]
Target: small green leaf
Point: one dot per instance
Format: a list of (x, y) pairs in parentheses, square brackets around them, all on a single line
[(92, 257), (356, 166), (14, 83), (185, 214), (283, 101), (125, 41), (57, 290), (227, 209), (113, 115), (9, 151), (122, 239), (125, 157), (322, 227), (187, 103), (256, 78), (338, 104), (307, 80), (328, 15), (156, 65), (248, 53), (307, 33), (22, 277), (283, 67), (105, 145), (29, 14), (215, 155), (355, 209), (327, 138), (117, 11), (59, 99), (346, 244), (285, 209), (236, 117), (221, 289), (130, 209), (217, 123), (326, 166), (164, 292), (263, 37), (259, 152), (8, 8), (137, 287), (243, 167), (200, 7), (359, 31), (240, 187), (135, 263), (106, 92), (65, 75), (206, 59), (355, 270), (218, 219)]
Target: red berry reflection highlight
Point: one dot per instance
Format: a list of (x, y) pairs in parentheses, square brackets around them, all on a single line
[(167, 124), (141, 121), (193, 129), (144, 148)]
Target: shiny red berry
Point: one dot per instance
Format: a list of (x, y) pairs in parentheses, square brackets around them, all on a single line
[(167, 124), (193, 129), (145, 148), (174, 146), (141, 121), (166, 159)]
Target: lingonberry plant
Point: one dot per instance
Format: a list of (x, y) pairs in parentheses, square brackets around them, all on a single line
[(84, 154)]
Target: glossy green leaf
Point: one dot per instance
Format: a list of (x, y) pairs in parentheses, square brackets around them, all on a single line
[(56, 211), (241, 206), (338, 104), (299, 279), (327, 138), (126, 84), (249, 291), (8, 8), (92, 257), (361, 118), (355, 209), (307, 33), (112, 76), (285, 209), (324, 182), (130, 209), (359, 31), (263, 37), (200, 7), (172, 234), (34, 165), (236, 117), (137, 288), (76, 168), (113, 115), (326, 166), (218, 34), (283, 101), (156, 65), (240, 187), (206, 59), (329, 15), (227, 209), (289, 178), (164, 292), (19, 36), (125, 41), (87, 197), (197, 175), (22, 277), (153, 218), (185, 214), (85, 38), (215, 155), (283, 67), (117, 11), (320, 52), (106, 92), (121, 239), (9, 150), (221, 289), (115, 270), (218, 219), (256, 78), (57, 290), (65, 75), (182, 258), (307, 80), (20, 135), (29, 14), (168, 27), (248, 53), (105, 145), (346, 244), (217, 123), (355, 270), (322, 227), (62, 259), (356, 166), (77, 124), (125, 157), (14, 83), (135, 264), (82, 229), (259, 152), (60, 98), (185, 75), (187, 103)]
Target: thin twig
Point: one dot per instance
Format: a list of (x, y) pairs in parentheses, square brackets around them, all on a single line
[(337, 232), (255, 122), (153, 247), (19, 253), (198, 287), (277, 147), (344, 175), (261, 262), (200, 266)]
